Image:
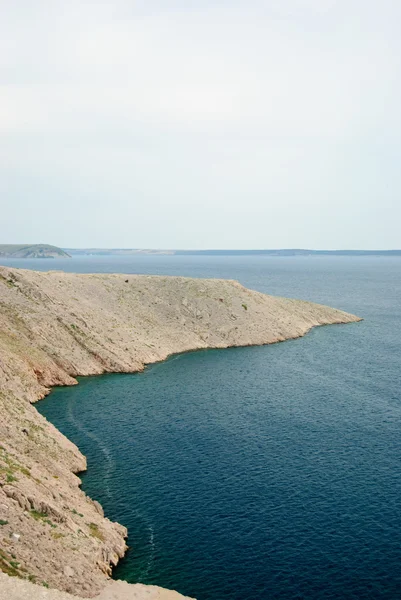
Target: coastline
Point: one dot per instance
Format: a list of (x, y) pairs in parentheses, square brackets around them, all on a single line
[(58, 326)]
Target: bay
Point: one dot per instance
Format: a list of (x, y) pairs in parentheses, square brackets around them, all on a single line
[(263, 472)]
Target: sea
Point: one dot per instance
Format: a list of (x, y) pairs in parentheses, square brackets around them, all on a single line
[(255, 473)]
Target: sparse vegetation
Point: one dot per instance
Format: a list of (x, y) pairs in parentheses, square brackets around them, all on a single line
[(95, 531), (244, 306), (10, 466), (42, 516), (7, 565), (38, 515), (3, 522), (48, 522)]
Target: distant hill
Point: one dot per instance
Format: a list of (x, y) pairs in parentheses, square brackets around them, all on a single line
[(31, 251), (289, 252), (114, 251), (279, 252)]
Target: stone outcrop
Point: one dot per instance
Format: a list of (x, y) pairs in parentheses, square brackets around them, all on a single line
[(55, 326)]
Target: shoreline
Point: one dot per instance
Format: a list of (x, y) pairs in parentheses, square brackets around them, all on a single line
[(172, 356), (162, 361), (58, 326)]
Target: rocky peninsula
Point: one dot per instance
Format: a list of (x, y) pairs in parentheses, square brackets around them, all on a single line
[(56, 326)]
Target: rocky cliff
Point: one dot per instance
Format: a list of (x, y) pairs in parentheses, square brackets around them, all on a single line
[(55, 326)]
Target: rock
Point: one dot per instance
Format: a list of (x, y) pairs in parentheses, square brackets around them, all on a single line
[(69, 571), (15, 537), (98, 507)]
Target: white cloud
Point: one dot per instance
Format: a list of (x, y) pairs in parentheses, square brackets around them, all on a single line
[(222, 103)]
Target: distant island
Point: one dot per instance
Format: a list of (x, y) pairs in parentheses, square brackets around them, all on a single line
[(31, 251), (48, 251), (279, 252)]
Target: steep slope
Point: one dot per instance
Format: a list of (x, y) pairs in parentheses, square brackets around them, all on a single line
[(55, 326)]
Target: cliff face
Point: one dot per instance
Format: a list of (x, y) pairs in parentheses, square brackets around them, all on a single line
[(55, 326)]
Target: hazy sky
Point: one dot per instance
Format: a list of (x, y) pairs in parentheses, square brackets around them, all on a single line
[(201, 124)]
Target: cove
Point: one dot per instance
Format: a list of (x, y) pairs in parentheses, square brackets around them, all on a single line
[(249, 473)]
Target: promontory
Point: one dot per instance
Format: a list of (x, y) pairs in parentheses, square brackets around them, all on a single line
[(56, 326), (31, 251)]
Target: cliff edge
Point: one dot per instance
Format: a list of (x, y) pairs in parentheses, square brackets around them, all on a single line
[(55, 326)]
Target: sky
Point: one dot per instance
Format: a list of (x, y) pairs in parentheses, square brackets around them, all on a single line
[(201, 124)]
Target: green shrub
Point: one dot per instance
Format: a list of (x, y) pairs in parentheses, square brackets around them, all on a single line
[(94, 531), (38, 515), (48, 522)]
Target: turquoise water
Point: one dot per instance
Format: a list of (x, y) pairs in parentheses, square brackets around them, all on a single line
[(257, 473)]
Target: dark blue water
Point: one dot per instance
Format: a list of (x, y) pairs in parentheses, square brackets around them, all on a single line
[(256, 473)]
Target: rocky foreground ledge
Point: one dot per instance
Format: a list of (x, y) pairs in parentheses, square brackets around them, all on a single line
[(18, 589), (55, 326)]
